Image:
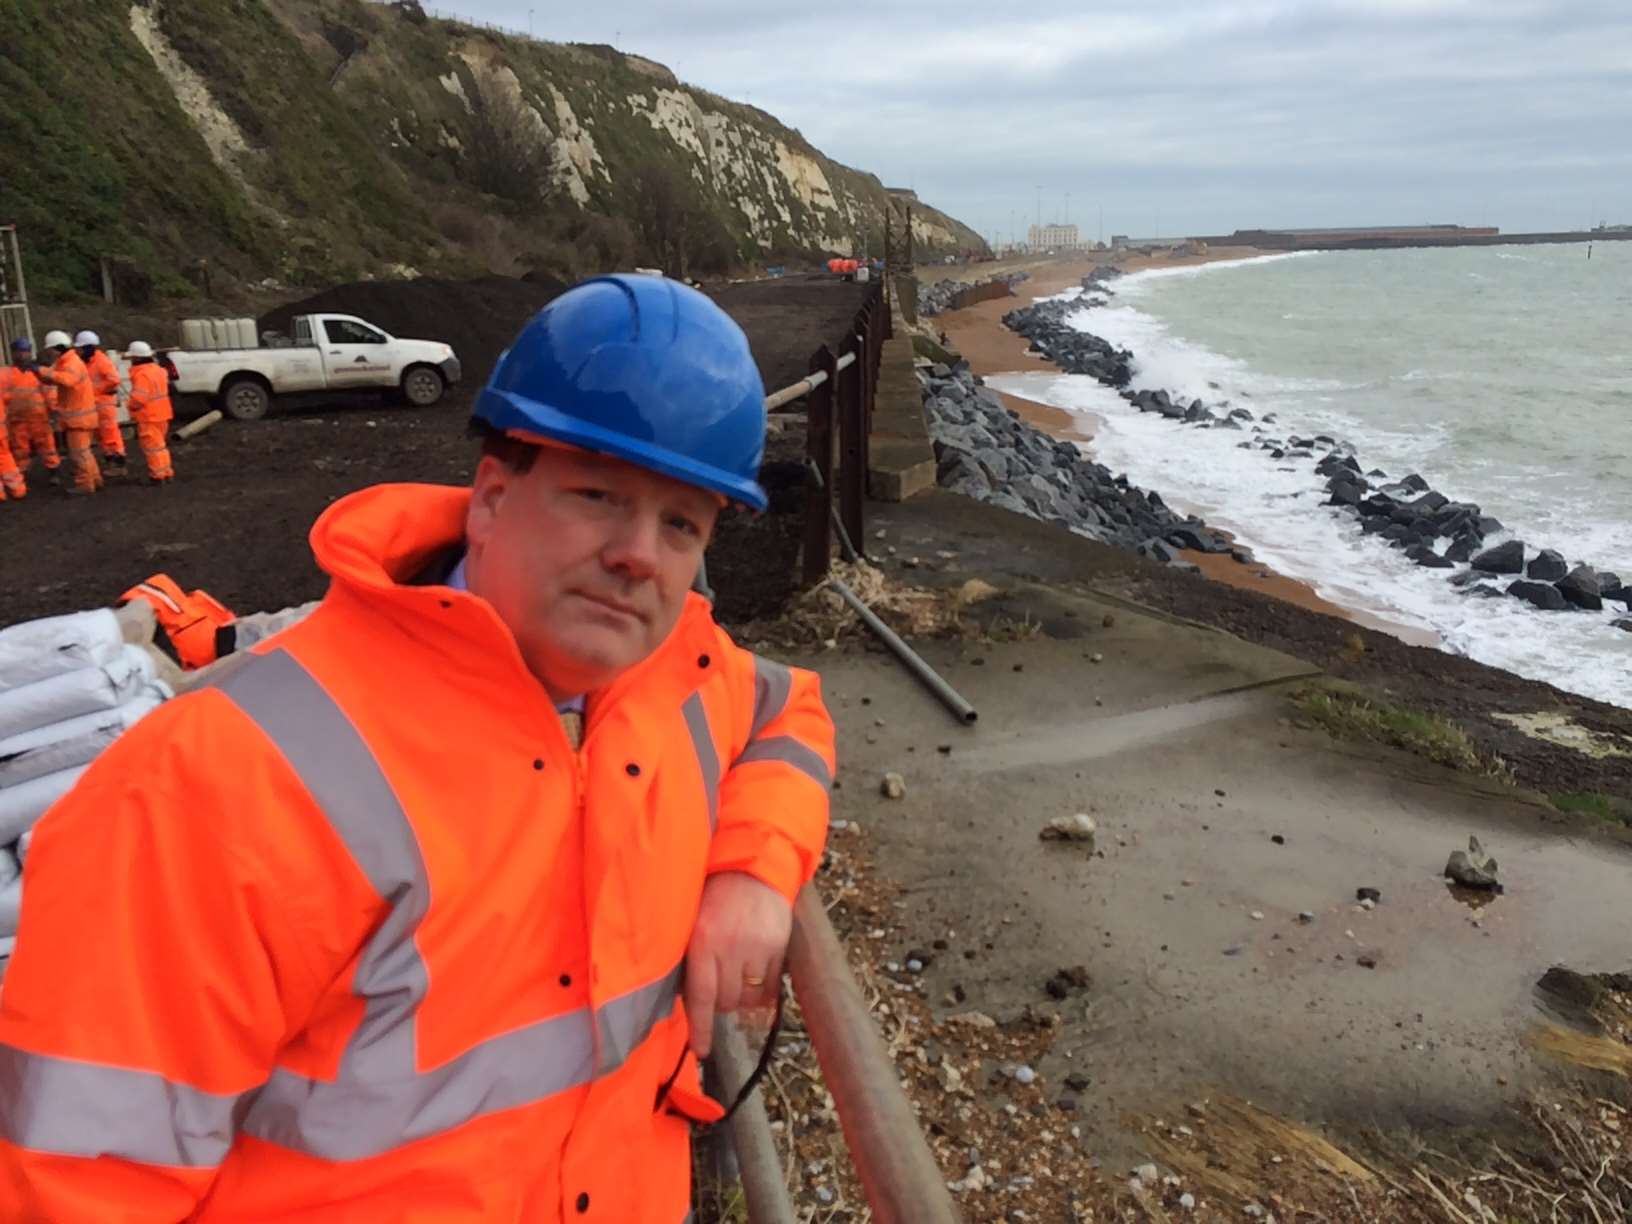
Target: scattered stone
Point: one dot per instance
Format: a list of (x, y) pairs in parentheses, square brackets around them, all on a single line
[(1187, 1201), (1079, 827), (1067, 982), (1473, 868), (1077, 1082), (1305, 917), (1368, 894), (1024, 1074), (1096, 657), (1368, 904), (1257, 915), (893, 786), (1109, 620), (1277, 839), (1149, 1174), (1367, 961)]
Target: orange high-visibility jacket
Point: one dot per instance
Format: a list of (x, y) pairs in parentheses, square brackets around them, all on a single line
[(191, 623), (104, 377), (76, 399), (22, 395), (149, 393), (355, 936)]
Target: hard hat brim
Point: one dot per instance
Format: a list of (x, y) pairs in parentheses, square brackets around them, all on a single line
[(517, 414)]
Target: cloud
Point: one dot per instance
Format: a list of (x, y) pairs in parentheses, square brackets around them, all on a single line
[(1199, 115)]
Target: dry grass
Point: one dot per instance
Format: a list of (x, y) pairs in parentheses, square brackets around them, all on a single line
[(1352, 715)]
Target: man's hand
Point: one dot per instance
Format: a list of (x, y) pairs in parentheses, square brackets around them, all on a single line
[(735, 957)]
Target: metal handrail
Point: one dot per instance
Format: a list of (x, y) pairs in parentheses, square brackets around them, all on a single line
[(898, 1173), (805, 385)]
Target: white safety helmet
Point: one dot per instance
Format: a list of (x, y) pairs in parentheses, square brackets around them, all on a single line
[(87, 339), (139, 348), (57, 339)]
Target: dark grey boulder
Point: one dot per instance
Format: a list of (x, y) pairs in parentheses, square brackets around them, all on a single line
[(1580, 587), (1371, 524), (1240, 414), (1544, 595), (1623, 623), (1197, 540), (1425, 556), (939, 370), (1398, 532), (1429, 503), (1344, 494), (1462, 549), (1489, 526), (1610, 585), (1481, 590), (1377, 474), (1547, 566), (1467, 578), (1157, 550), (1416, 482), (1505, 558)]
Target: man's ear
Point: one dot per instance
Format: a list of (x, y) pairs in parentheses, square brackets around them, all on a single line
[(493, 483)]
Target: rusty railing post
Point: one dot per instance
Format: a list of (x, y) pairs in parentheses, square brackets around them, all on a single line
[(818, 541), (897, 1171), (848, 406)]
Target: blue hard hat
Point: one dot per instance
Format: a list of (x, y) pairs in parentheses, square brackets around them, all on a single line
[(644, 369), (22, 345)]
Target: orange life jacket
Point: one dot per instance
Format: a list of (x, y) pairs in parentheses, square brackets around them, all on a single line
[(192, 623), (355, 935)]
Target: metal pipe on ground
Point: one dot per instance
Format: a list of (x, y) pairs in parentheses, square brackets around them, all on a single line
[(931, 679), (764, 1184), (192, 428), (898, 1174)]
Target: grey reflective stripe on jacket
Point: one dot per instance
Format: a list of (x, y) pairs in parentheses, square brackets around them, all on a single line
[(377, 1100)]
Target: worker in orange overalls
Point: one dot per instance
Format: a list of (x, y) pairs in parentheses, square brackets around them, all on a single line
[(105, 382), (27, 407), (12, 484), (76, 409), (150, 409), (423, 908)]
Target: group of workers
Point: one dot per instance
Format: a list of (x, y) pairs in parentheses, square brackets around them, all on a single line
[(67, 398)]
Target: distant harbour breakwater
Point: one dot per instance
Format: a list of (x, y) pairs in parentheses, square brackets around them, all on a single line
[(1407, 514)]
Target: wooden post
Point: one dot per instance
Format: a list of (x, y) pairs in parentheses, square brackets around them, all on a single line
[(818, 541), (849, 407)]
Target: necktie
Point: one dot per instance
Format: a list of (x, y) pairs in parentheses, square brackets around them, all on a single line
[(572, 722)]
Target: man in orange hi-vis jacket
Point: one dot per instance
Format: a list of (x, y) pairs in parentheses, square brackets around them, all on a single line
[(105, 383), (423, 909), (27, 404), (76, 408), (150, 409)]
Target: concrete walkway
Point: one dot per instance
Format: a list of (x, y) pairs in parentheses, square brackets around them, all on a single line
[(1181, 744)]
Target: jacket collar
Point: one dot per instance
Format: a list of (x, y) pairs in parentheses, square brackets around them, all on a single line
[(380, 545)]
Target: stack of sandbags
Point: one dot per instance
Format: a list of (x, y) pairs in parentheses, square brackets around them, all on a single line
[(69, 686)]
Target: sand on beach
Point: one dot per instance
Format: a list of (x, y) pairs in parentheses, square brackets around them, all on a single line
[(990, 348)]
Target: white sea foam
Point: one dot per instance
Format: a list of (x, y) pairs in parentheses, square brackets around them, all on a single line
[(1552, 471)]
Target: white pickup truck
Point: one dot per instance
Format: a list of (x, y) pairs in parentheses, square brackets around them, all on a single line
[(326, 354)]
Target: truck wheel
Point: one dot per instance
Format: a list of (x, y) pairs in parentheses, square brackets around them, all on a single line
[(422, 386), (246, 400)]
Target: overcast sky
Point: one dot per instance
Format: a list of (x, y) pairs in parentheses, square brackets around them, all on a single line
[(1174, 116)]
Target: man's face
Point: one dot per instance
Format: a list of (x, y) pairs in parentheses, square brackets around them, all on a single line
[(587, 560)]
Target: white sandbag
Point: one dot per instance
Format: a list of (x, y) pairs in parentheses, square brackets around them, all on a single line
[(21, 806), (258, 626), (77, 692), (77, 741), (39, 649), (11, 907)]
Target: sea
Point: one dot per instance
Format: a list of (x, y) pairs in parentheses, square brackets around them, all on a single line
[(1502, 376)]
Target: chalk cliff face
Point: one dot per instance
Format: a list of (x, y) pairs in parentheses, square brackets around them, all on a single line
[(305, 140)]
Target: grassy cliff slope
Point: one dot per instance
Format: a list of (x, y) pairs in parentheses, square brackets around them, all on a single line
[(314, 140)]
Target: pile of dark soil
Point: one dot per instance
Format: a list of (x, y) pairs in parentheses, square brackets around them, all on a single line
[(478, 318), (235, 520)]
